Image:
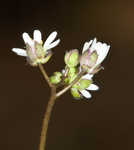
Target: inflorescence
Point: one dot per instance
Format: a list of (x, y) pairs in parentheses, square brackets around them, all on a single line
[(89, 62)]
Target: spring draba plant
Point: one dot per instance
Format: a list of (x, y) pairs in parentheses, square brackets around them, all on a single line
[(76, 76)]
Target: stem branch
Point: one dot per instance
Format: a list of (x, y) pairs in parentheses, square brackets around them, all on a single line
[(45, 75), (51, 103), (70, 85)]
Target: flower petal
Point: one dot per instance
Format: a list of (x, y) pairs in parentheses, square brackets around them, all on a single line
[(50, 39), (37, 36), (52, 45), (86, 46), (19, 51), (86, 94), (102, 50), (27, 39), (87, 76), (92, 48), (102, 53), (93, 87)]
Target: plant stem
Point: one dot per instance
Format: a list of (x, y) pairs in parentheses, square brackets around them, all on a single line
[(46, 119), (70, 85), (51, 103), (45, 75)]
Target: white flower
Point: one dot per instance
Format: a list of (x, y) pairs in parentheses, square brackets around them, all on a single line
[(37, 38), (102, 50), (35, 50), (92, 87)]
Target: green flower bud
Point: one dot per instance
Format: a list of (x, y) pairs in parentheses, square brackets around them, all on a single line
[(56, 78), (71, 75), (72, 71), (69, 79), (88, 60), (75, 93), (72, 58), (66, 80)]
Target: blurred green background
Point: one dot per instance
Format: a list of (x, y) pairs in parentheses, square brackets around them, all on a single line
[(104, 123)]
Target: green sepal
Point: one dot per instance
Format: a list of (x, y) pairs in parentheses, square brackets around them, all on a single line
[(88, 60), (72, 78), (76, 85), (84, 83), (66, 80), (45, 59), (58, 74), (37, 54), (72, 71), (40, 52), (72, 58), (71, 75)]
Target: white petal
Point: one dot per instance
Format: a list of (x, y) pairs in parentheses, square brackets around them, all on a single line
[(86, 94), (103, 51), (19, 51), (37, 36), (87, 76), (27, 39), (50, 39), (52, 44), (93, 87), (86, 46), (93, 45)]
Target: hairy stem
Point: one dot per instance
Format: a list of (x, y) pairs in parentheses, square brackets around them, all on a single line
[(47, 118), (70, 85), (45, 75)]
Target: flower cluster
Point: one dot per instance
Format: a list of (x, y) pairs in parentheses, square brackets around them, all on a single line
[(88, 63)]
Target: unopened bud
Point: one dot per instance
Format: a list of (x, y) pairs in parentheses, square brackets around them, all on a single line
[(72, 71), (56, 78), (75, 93), (72, 58)]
